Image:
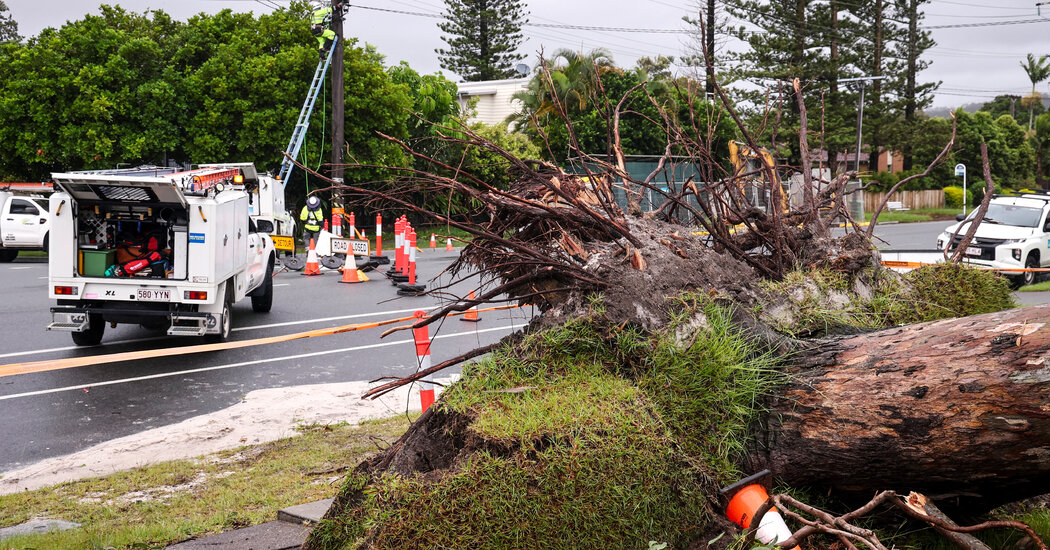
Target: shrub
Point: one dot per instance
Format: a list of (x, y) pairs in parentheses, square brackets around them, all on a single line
[(953, 197)]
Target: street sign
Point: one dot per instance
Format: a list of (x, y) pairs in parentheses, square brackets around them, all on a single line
[(960, 169), (345, 246), (281, 242)]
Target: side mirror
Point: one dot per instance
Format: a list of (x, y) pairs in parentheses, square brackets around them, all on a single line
[(264, 226), (960, 217)]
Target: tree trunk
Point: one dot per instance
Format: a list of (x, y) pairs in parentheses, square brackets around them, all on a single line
[(953, 408)]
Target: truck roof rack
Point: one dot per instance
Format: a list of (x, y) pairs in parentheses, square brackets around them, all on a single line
[(27, 187)]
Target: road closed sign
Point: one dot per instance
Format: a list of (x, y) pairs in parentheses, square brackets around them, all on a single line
[(357, 247)]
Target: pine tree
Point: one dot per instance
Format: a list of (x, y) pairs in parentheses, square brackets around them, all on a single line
[(801, 39), (483, 38), (8, 26), (913, 95)]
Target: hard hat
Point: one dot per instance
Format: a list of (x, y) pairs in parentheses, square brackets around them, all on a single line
[(313, 203)]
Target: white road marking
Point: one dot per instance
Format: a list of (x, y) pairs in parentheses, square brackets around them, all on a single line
[(21, 267), (238, 329), (281, 284), (245, 364), (339, 318)]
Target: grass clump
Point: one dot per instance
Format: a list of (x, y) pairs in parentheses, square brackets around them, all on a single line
[(160, 504), (949, 290), (820, 302), (595, 436)]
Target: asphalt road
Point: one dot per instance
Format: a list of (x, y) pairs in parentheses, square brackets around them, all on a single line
[(57, 412)]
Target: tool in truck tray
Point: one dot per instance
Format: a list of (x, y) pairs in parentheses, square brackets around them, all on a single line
[(165, 248)]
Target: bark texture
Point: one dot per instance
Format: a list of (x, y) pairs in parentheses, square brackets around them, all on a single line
[(958, 408)]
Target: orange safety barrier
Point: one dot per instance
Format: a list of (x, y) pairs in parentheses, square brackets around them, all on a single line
[(900, 263)]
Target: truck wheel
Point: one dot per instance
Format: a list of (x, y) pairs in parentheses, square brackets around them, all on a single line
[(1030, 277), (8, 255), (227, 322), (263, 302), (93, 335), (47, 243)]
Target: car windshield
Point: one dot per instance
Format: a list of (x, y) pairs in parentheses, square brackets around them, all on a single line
[(1008, 214)]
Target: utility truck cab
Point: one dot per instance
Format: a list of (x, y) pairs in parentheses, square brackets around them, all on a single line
[(161, 247), (1014, 234), (24, 220)]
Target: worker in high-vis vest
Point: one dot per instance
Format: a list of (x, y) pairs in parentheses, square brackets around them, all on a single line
[(320, 26), (312, 217)]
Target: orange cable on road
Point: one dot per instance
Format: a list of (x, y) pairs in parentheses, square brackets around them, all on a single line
[(59, 364)]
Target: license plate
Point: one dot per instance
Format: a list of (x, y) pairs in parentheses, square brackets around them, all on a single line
[(973, 251), (153, 295)]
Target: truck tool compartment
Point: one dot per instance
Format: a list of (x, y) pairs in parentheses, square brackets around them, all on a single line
[(160, 247)]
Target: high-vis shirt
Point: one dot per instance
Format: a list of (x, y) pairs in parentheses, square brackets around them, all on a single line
[(313, 219), (321, 16)]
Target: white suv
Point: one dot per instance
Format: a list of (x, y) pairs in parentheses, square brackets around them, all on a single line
[(1015, 233)]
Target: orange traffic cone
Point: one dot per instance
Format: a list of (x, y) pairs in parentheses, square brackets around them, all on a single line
[(743, 505), (312, 267), (448, 245), (472, 313), (351, 274), (433, 241)]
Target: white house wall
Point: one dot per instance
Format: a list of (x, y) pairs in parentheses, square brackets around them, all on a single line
[(495, 98)]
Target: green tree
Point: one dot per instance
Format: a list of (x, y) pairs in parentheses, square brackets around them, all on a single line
[(127, 88), (1038, 70), (588, 105), (909, 51), (804, 39), (1011, 157), (1011, 105), (483, 37), (8, 25), (1041, 145)]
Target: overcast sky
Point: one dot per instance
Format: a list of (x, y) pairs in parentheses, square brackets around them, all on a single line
[(975, 63)]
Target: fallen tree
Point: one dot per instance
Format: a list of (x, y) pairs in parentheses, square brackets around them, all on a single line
[(667, 360)]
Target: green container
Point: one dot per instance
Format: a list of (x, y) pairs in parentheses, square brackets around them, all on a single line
[(96, 262)]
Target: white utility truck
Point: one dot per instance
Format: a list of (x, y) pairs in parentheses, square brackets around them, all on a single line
[(24, 220), (1014, 234), (161, 247)]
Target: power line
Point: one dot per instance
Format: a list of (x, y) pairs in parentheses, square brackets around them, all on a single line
[(543, 25), (987, 24)]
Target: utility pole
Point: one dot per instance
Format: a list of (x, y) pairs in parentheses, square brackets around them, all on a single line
[(338, 118), (1013, 99)]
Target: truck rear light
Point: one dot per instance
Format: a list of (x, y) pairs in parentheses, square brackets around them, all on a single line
[(195, 295), (66, 290)]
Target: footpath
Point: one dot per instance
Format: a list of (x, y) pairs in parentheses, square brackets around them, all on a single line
[(288, 531)]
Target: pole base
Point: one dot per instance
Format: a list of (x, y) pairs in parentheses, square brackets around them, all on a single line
[(379, 260), (411, 290)]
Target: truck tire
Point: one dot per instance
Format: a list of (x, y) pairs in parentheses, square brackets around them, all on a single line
[(47, 243), (1028, 277), (8, 254), (226, 322), (1031, 277), (93, 335), (263, 302)]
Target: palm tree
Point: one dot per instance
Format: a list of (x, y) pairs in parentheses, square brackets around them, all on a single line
[(567, 85), (1038, 70)]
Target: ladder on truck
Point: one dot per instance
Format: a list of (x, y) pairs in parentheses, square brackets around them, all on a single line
[(299, 134)]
